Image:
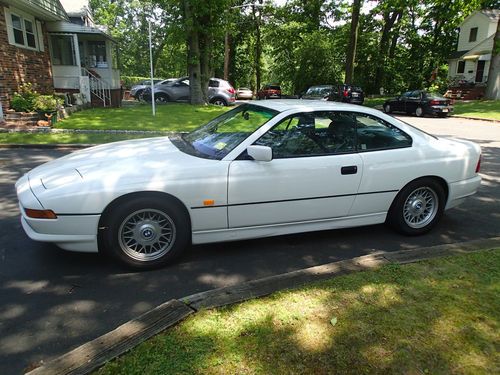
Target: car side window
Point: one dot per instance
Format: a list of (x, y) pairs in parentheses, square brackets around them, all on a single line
[(213, 83), (376, 134), (311, 134), (415, 95)]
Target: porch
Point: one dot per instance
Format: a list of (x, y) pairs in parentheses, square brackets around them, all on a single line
[(84, 61)]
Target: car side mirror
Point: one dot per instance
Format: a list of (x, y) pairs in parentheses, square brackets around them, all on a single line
[(260, 153)]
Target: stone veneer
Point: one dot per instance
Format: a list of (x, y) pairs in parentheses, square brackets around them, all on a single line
[(20, 65)]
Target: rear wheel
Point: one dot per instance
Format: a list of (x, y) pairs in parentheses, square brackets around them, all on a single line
[(418, 207), (146, 233), (219, 101)]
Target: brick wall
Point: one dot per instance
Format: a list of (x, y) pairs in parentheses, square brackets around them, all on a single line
[(20, 65)]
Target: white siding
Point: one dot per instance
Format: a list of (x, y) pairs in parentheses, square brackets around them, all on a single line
[(485, 29)]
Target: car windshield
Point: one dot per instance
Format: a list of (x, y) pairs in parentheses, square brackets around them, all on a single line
[(221, 135), (319, 91)]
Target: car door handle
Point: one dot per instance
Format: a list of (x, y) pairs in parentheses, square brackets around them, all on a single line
[(351, 169)]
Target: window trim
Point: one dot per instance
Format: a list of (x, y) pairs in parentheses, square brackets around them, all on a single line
[(244, 155), (9, 12)]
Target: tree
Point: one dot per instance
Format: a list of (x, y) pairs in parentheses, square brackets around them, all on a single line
[(493, 87), (353, 40)]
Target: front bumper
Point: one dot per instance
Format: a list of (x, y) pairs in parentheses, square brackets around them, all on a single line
[(70, 232), (458, 191)]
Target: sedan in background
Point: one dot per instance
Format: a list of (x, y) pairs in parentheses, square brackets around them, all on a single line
[(320, 92), (269, 92), (347, 94), (262, 169), (137, 89), (420, 103), (244, 93)]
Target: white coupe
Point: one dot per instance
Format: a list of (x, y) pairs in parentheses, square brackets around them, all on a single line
[(262, 169)]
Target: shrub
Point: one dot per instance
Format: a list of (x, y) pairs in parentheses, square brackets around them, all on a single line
[(47, 103), (24, 100)]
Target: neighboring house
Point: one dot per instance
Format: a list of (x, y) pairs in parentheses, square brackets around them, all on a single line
[(471, 62), (55, 45)]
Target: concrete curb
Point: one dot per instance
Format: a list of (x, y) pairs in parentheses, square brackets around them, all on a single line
[(477, 119), (48, 146), (95, 353)]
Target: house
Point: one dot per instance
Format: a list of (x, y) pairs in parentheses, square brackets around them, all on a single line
[(55, 45), (469, 65)]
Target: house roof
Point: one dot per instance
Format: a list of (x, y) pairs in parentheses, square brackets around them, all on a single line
[(47, 10), (457, 54), (493, 14), (73, 28)]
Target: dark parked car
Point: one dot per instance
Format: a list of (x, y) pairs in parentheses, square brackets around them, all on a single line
[(272, 91), (320, 92), (347, 94), (420, 103)]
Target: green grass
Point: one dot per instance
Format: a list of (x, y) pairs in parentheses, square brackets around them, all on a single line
[(434, 317), (66, 138), (373, 102), (170, 117), (488, 109)]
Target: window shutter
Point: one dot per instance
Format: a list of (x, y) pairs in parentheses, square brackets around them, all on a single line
[(8, 21), (39, 33)]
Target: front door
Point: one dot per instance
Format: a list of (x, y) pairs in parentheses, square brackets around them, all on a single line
[(315, 173), (480, 71), (412, 101)]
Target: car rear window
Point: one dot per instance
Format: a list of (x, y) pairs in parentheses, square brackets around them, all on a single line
[(274, 88)]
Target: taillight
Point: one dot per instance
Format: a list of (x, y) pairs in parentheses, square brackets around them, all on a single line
[(346, 93), (434, 102), (478, 166), (231, 90)]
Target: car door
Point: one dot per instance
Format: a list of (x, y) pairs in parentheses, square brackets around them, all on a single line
[(387, 158), (180, 90), (398, 104), (413, 101), (314, 175)]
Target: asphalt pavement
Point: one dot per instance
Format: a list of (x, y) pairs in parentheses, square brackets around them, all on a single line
[(53, 301)]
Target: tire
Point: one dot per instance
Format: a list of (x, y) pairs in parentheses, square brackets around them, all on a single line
[(219, 101), (387, 108), (419, 112), (418, 207), (146, 233), (162, 98), (138, 95)]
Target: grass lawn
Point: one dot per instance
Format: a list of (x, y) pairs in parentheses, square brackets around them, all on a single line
[(373, 102), (434, 317), (66, 138), (488, 109), (169, 117)]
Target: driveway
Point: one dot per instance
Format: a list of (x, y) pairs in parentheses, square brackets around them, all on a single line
[(53, 301)]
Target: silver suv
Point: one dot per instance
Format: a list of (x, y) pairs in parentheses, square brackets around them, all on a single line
[(220, 92)]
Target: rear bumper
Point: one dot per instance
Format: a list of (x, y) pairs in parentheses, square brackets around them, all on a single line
[(460, 190), (440, 110)]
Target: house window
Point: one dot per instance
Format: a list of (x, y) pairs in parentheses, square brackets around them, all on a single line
[(63, 50), (473, 34), (22, 30), (97, 54), (461, 67)]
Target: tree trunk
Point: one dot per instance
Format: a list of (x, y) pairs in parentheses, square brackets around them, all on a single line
[(227, 54), (353, 41), (205, 66), (493, 87), (194, 66), (389, 21), (258, 49)]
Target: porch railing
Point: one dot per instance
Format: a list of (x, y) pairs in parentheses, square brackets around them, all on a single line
[(100, 88)]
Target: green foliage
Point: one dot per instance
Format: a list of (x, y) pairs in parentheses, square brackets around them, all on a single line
[(47, 103), (24, 99)]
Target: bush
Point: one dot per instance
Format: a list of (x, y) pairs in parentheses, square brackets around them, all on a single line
[(47, 103), (24, 100)]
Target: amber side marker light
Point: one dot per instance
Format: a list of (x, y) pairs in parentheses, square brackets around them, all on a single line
[(208, 202), (40, 214)]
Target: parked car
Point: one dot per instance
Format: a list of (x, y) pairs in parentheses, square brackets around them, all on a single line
[(220, 92), (420, 103), (320, 92), (137, 90), (269, 92), (262, 169), (244, 93), (348, 94)]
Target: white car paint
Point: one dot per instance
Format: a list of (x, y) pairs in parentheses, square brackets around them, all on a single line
[(251, 198)]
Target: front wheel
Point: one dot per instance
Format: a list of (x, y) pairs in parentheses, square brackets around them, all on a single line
[(419, 112), (146, 233), (387, 108), (418, 207)]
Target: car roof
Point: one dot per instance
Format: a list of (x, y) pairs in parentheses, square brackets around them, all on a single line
[(282, 105)]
